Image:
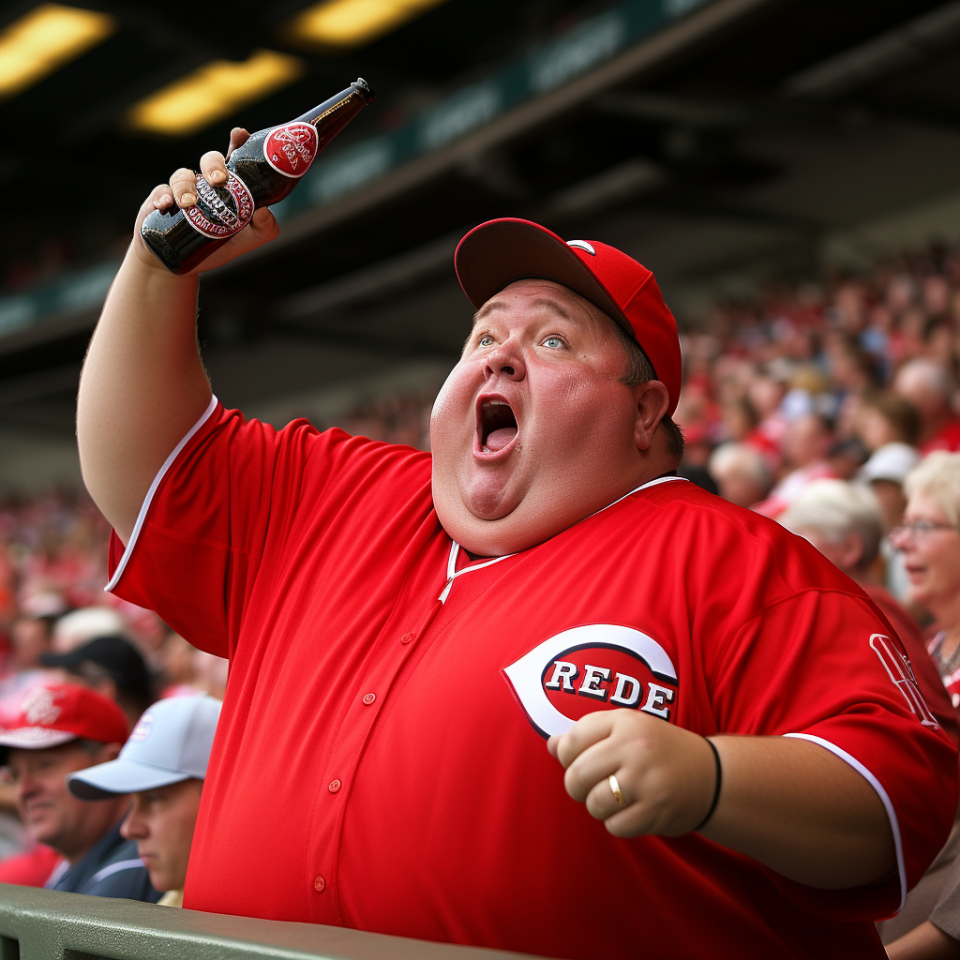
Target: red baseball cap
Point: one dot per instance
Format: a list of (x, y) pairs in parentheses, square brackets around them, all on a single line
[(56, 713), (499, 252)]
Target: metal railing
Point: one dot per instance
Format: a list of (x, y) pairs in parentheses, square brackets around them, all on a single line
[(44, 925)]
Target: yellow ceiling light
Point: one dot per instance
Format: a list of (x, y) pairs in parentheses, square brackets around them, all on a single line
[(46, 38), (214, 91), (350, 23)]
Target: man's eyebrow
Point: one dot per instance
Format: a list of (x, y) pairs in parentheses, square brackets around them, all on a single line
[(493, 305)]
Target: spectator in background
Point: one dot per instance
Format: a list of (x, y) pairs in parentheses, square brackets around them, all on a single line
[(929, 539), (29, 639), (113, 667), (884, 418), (184, 670), (929, 386), (842, 520), (846, 457), (806, 443), (741, 472), (60, 729), (163, 766), (80, 626), (885, 472)]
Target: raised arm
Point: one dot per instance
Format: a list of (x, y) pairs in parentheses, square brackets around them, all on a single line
[(143, 385)]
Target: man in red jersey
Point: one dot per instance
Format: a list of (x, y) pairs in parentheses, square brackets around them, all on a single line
[(405, 631)]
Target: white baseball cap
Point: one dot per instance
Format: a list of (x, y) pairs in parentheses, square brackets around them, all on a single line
[(171, 742), (892, 461)]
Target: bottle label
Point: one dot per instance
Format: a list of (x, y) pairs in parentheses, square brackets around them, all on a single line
[(222, 211), (290, 149)]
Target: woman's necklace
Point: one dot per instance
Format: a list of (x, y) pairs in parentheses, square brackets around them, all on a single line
[(946, 666)]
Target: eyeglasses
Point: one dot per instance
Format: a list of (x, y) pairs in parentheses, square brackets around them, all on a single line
[(918, 528)]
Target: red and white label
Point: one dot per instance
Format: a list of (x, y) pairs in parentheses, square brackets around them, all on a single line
[(900, 671), (291, 149), (598, 666), (220, 212)]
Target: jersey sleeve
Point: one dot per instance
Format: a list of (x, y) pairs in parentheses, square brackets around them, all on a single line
[(824, 666), (233, 491)]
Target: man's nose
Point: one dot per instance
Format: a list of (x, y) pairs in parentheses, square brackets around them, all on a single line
[(132, 827), (506, 361), (27, 786)]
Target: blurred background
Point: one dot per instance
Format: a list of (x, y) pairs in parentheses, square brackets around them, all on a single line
[(789, 169), (751, 152)]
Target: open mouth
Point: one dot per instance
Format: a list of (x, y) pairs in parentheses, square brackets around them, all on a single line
[(497, 425)]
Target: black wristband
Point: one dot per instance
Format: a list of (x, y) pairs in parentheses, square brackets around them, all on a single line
[(716, 789)]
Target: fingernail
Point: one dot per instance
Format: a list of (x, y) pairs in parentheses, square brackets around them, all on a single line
[(188, 200), (216, 176)]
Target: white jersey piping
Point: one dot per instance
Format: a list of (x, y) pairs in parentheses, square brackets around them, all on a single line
[(58, 871), (113, 868), (881, 793), (455, 548), (453, 572), (144, 509)]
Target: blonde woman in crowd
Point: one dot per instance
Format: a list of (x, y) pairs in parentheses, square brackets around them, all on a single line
[(929, 539), (843, 521)]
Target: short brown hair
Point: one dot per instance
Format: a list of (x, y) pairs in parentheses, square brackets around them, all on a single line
[(640, 370), (898, 412)]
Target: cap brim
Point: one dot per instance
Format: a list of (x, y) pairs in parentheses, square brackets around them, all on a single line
[(120, 776), (500, 252), (35, 738), (68, 659)]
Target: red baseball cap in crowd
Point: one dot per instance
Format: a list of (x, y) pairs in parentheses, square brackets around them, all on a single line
[(499, 252), (56, 713)]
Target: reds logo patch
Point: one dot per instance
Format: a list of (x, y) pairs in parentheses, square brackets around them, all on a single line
[(599, 666)]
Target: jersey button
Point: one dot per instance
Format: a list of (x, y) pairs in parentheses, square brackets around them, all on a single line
[(406, 638), (335, 785), (369, 698), (319, 884)]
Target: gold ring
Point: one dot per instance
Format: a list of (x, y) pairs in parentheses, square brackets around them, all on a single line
[(615, 787)]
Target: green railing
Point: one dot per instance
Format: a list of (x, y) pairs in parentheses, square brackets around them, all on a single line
[(42, 925)]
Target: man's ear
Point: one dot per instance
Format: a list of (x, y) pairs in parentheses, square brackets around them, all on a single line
[(652, 403), (109, 751), (105, 686), (852, 551)]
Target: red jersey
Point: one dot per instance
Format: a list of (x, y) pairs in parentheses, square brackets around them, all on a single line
[(380, 760), (947, 439), (918, 652)]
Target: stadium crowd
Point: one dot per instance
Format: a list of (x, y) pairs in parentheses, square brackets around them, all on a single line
[(827, 405)]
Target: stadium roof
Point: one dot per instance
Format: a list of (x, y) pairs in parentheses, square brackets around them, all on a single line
[(704, 136)]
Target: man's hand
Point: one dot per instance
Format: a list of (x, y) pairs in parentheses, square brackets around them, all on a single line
[(667, 775), (182, 190), (786, 802)]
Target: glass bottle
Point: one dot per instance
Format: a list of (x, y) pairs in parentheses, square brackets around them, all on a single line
[(262, 171)]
